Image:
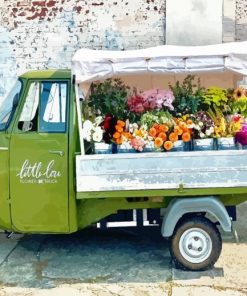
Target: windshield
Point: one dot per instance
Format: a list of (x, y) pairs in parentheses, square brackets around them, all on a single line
[(9, 104)]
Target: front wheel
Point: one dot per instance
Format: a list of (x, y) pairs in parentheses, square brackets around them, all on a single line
[(196, 244)]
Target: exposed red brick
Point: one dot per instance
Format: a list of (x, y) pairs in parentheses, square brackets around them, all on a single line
[(97, 4), (39, 3), (78, 9), (51, 3)]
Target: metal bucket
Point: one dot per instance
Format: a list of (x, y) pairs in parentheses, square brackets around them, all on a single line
[(208, 144), (102, 148), (227, 144)]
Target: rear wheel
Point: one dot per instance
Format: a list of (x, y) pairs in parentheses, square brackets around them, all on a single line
[(196, 244)]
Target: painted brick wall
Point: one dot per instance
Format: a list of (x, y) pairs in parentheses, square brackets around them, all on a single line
[(45, 34)]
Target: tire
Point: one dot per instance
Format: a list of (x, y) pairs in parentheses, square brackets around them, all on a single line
[(196, 244)]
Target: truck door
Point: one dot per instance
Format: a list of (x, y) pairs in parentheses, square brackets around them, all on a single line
[(7, 110), (39, 159)]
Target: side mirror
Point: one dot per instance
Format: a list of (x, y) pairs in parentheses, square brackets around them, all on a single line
[(27, 126)]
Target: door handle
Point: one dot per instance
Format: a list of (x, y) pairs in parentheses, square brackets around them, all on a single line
[(4, 148), (61, 153)]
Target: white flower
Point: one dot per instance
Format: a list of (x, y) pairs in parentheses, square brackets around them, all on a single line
[(131, 128), (135, 126), (197, 127), (202, 135), (145, 127), (212, 129), (208, 132), (97, 137), (86, 134), (200, 123), (98, 130), (149, 144), (98, 120), (87, 125)]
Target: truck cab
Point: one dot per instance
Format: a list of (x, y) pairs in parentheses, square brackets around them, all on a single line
[(37, 137)]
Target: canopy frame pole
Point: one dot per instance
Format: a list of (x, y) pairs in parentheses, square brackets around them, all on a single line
[(79, 117)]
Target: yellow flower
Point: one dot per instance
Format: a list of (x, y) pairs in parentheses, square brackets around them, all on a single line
[(239, 92)]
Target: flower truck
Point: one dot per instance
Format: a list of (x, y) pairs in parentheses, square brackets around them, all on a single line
[(142, 138)]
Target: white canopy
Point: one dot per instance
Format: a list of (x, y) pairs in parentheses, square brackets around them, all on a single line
[(91, 65)]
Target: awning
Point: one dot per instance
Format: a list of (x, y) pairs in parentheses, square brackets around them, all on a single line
[(90, 65)]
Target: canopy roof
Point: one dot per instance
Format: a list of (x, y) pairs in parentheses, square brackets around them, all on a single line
[(91, 65)]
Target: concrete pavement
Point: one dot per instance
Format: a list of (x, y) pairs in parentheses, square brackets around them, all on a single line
[(116, 262)]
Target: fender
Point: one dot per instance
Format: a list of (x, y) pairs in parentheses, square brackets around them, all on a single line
[(180, 206)]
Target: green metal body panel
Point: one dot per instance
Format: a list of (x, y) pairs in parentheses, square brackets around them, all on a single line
[(236, 195), (5, 220), (53, 206)]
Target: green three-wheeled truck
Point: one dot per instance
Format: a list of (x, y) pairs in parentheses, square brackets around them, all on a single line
[(49, 184)]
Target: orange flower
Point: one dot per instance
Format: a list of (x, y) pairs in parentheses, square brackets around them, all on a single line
[(139, 133), (178, 130), (173, 137), (116, 135), (168, 145), (186, 137), (158, 142), (189, 122), (119, 128), (156, 125), (152, 132), (119, 141), (163, 128), (121, 123), (127, 135), (187, 130), (162, 136), (182, 125)]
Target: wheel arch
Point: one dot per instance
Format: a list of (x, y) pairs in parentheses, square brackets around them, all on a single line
[(183, 206)]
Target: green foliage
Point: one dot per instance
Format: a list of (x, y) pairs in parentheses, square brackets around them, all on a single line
[(188, 96), (160, 117), (109, 97), (216, 97), (240, 106)]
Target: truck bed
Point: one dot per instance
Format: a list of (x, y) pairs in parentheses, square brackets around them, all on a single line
[(170, 170)]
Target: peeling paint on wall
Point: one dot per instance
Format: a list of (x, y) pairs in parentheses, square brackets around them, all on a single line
[(45, 34), (241, 20), (7, 62)]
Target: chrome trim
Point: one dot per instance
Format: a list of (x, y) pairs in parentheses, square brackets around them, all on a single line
[(61, 153)]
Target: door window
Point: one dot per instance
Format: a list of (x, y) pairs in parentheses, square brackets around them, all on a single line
[(53, 107), (29, 114), (7, 108)]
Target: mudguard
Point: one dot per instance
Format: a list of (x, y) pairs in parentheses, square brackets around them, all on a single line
[(180, 206)]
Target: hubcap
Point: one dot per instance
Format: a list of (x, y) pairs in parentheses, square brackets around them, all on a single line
[(195, 245)]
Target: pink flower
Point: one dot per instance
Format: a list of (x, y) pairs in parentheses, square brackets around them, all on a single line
[(241, 136), (153, 99), (139, 108), (137, 144), (236, 117)]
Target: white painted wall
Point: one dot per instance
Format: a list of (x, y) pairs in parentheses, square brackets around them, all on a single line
[(194, 22)]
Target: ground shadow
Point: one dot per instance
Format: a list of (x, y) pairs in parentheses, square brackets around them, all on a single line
[(98, 256), (90, 256)]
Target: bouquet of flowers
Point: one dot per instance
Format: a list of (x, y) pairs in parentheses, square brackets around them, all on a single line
[(154, 99), (157, 119), (92, 131), (203, 125)]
